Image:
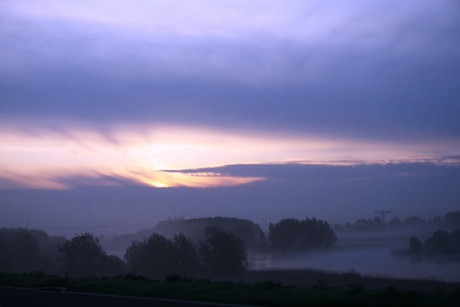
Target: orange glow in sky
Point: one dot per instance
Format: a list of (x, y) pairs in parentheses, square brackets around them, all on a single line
[(42, 158)]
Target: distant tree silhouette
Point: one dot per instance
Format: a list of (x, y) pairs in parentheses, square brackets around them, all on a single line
[(21, 251), (112, 265), (292, 234), (156, 256), (222, 252), (187, 255), (441, 243), (83, 256), (247, 231), (452, 219), (415, 245), (395, 222), (414, 221)]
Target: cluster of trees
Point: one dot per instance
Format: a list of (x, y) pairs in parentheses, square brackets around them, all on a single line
[(361, 225), (307, 234), (84, 256), (23, 250), (220, 252), (440, 243), (450, 220), (247, 231)]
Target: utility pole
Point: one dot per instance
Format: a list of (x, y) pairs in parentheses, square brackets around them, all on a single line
[(382, 214)]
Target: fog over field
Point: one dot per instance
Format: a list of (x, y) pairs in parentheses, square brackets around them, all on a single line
[(370, 261)]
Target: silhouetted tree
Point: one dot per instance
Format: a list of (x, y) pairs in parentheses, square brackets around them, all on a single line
[(452, 219), (415, 245), (222, 253), (395, 222), (83, 256), (113, 265), (20, 252), (247, 231), (441, 243), (414, 221), (438, 243), (455, 241), (292, 234), (156, 256), (187, 255), (48, 245)]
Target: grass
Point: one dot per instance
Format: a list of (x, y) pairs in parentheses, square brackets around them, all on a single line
[(265, 293)]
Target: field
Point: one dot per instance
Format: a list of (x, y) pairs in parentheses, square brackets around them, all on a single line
[(263, 288)]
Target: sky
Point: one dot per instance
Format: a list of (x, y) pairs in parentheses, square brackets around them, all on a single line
[(198, 101)]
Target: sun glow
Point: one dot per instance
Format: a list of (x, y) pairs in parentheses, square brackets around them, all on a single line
[(155, 156)]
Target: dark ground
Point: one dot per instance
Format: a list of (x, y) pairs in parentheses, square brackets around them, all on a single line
[(23, 297)]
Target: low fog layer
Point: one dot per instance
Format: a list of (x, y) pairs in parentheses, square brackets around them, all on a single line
[(338, 194)]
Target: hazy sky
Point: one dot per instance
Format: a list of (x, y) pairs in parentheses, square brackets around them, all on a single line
[(113, 93)]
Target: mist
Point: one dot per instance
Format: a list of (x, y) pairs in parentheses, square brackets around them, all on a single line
[(337, 194), (372, 260)]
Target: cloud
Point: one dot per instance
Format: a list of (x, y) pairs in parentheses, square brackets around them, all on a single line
[(93, 87), (384, 70), (64, 156)]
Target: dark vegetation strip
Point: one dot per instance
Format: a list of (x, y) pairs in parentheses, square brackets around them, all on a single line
[(265, 293)]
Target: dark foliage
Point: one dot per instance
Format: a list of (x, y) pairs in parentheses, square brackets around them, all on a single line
[(415, 245), (409, 223), (83, 256), (187, 255), (223, 253), (23, 250), (219, 253), (247, 231), (292, 234), (452, 219), (440, 243), (153, 256)]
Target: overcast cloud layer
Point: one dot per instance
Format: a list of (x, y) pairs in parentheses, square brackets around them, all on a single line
[(381, 70)]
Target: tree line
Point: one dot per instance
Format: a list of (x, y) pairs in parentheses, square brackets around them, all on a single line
[(450, 220), (441, 243), (218, 252)]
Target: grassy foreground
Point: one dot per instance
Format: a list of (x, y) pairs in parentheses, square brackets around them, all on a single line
[(267, 293)]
